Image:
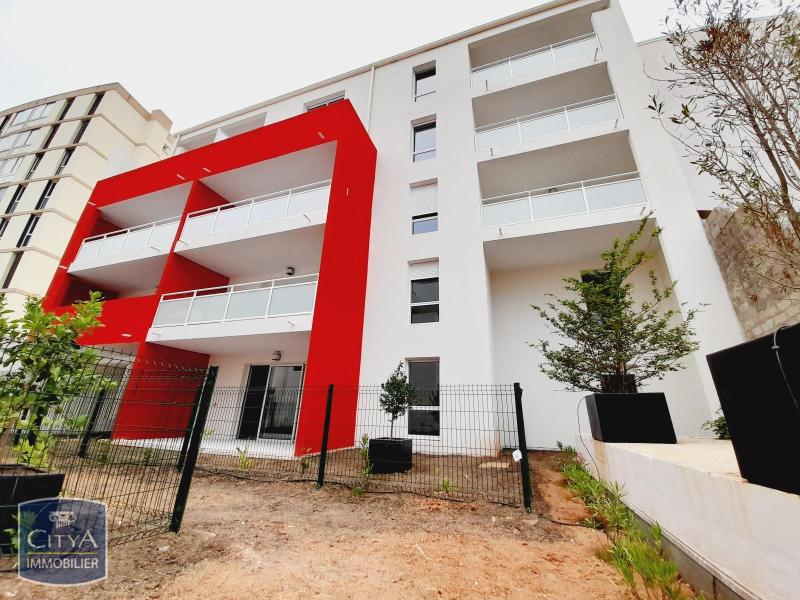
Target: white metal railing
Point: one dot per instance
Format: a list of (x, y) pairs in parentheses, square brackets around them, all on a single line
[(533, 60), (548, 122), (157, 235), (580, 197), (261, 209), (256, 300)]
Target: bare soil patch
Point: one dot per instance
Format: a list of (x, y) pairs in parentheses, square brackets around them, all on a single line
[(244, 539)]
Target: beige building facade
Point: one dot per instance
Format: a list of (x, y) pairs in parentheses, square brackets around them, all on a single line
[(52, 152)]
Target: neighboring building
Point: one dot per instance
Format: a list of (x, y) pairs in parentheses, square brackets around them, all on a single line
[(508, 157), (52, 152)]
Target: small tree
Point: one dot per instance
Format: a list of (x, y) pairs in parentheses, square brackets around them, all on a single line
[(737, 81), (396, 396), (42, 367), (610, 340)]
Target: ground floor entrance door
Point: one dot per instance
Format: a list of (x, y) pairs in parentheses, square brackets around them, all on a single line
[(271, 401)]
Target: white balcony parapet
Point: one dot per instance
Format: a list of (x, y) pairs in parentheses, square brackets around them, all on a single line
[(257, 300), (548, 122), (581, 197), (261, 209), (533, 60), (157, 235)]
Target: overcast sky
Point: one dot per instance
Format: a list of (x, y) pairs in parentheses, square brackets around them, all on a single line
[(198, 59)]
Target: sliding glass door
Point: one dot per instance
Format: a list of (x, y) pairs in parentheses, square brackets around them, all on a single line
[(271, 401)]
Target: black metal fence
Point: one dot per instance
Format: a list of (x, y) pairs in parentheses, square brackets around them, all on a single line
[(462, 440), (98, 424), (58, 409)]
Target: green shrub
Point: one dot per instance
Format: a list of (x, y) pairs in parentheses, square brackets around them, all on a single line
[(719, 426)]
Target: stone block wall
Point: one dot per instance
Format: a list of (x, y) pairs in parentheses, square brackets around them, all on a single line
[(760, 306)]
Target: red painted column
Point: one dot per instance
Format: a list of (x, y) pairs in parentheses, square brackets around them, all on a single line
[(334, 354)]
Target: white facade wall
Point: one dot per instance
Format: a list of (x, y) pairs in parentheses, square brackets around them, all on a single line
[(485, 318)]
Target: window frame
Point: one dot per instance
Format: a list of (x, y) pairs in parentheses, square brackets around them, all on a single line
[(325, 101), (429, 153), (27, 233), (423, 70), (424, 219), (65, 158), (423, 303), (435, 395)]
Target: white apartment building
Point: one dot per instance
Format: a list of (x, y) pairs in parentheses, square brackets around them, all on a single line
[(52, 152), (508, 157)]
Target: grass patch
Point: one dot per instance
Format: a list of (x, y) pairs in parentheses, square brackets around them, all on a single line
[(635, 552)]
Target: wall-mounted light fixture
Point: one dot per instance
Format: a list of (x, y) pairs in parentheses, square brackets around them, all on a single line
[(276, 356), (289, 271)]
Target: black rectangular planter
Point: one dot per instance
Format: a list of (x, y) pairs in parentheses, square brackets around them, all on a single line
[(758, 395), (635, 418), (390, 455), (16, 487)]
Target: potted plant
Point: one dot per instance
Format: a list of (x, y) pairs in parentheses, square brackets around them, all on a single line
[(391, 454), (41, 368), (758, 384), (613, 344)]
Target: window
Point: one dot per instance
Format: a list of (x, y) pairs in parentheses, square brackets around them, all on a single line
[(64, 160), (424, 81), (324, 102), (423, 415), (7, 142), (12, 268), (32, 169), (12, 206), (425, 141), (81, 130), (3, 225), (21, 116), (10, 165), (424, 208), (65, 110), (27, 233), (50, 137), (95, 103), (424, 291), (4, 122), (46, 194)]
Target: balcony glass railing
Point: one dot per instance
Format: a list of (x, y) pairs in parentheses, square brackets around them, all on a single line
[(557, 120), (604, 193), (257, 300), (262, 209), (533, 60), (157, 235)]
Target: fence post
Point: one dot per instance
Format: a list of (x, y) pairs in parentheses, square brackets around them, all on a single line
[(190, 429), (193, 450), (523, 448), (89, 429), (323, 454)]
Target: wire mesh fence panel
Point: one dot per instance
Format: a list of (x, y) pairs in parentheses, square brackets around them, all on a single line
[(96, 424), (252, 433), (455, 441)]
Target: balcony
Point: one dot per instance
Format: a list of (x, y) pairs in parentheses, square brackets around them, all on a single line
[(583, 46), (129, 260), (538, 125), (158, 235), (294, 202), (582, 197), (238, 316)]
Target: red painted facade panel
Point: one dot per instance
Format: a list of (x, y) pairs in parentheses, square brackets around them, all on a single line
[(334, 354)]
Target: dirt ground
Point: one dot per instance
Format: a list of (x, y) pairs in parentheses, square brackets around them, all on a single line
[(245, 539)]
